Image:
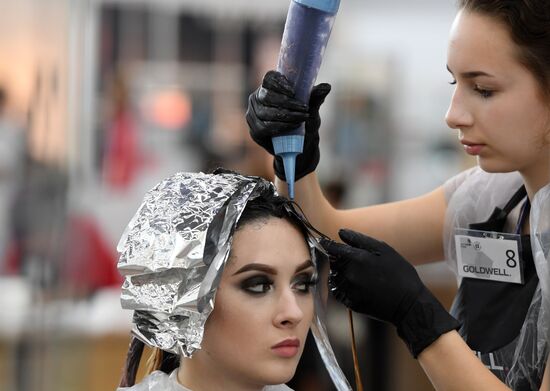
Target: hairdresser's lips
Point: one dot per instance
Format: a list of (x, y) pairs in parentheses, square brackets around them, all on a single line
[(287, 348), (472, 148)]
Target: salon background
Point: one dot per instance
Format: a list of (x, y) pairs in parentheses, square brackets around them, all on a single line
[(100, 99)]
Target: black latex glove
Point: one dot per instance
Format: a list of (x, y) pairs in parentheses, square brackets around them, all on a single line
[(370, 277), (273, 111)]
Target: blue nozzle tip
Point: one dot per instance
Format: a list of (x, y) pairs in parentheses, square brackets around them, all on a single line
[(288, 147), (289, 161)]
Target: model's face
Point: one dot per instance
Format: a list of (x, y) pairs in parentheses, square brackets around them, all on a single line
[(264, 306), (497, 106)]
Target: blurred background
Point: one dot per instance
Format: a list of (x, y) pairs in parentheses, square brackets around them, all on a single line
[(101, 99)]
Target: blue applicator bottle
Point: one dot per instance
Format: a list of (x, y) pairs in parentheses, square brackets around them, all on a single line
[(307, 29)]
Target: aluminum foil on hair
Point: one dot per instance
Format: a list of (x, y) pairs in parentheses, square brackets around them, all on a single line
[(172, 255), (318, 328), (320, 259)]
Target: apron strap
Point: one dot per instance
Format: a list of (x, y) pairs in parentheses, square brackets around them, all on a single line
[(516, 198)]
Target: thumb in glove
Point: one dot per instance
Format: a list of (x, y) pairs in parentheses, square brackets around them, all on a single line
[(307, 161), (274, 111)]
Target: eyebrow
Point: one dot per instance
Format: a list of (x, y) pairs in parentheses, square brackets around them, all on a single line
[(471, 74), (270, 270)]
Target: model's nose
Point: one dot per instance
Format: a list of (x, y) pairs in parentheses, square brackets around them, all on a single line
[(289, 310)]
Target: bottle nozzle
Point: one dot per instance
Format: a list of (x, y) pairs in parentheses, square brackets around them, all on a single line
[(288, 147), (289, 161)]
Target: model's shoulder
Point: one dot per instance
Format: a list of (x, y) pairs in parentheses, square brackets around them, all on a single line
[(156, 381), (279, 387)]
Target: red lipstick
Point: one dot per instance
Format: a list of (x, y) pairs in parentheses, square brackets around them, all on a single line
[(287, 348)]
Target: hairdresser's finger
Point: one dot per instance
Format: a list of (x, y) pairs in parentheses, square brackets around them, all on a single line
[(359, 240)]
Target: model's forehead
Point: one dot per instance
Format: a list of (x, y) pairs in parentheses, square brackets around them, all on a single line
[(272, 241)]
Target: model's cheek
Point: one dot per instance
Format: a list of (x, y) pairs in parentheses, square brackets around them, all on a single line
[(309, 312), (243, 324), (308, 306)]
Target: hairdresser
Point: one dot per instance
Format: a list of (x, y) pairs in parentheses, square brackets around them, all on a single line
[(491, 223)]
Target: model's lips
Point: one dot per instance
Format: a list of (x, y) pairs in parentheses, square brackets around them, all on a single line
[(287, 348), (472, 148)]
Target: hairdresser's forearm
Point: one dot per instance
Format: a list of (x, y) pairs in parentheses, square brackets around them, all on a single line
[(413, 227), (452, 366)]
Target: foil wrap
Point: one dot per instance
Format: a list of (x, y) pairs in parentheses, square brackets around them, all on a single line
[(173, 251)]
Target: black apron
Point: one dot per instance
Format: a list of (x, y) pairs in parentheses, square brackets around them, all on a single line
[(493, 312)]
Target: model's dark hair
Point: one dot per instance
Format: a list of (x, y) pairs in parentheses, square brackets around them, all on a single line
[(133, 357), (262, 207), (528, 22), (267, 205)]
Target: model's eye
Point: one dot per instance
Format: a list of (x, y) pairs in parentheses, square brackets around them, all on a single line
[(304, 283), (483, 92), (257, 285), (452, 82)]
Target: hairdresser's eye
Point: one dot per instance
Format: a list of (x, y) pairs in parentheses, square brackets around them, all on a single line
[(257, 285), (483, 92), (304, 282)]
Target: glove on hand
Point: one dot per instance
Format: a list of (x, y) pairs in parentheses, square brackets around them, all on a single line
[(370, 277), (273, 111)]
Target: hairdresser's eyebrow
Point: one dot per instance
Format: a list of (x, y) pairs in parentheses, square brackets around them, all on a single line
[(270, 270), (471, 74)]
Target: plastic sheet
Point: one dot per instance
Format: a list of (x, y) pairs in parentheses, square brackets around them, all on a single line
[(474, 197), (160, 381)]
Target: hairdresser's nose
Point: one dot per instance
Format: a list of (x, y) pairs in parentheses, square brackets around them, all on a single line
[(458, 115), (289, 310)]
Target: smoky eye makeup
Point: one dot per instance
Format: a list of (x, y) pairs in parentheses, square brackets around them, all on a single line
[(303, 282), (259, 284), (256, 284)]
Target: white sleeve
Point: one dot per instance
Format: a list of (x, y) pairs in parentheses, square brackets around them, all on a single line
[(454, 183)]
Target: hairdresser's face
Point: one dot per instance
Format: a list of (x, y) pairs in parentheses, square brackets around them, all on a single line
[(497, 106), (264, 305)]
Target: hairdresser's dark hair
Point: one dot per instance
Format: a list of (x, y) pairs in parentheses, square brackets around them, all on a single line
[(528, 22), (260, 208)]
